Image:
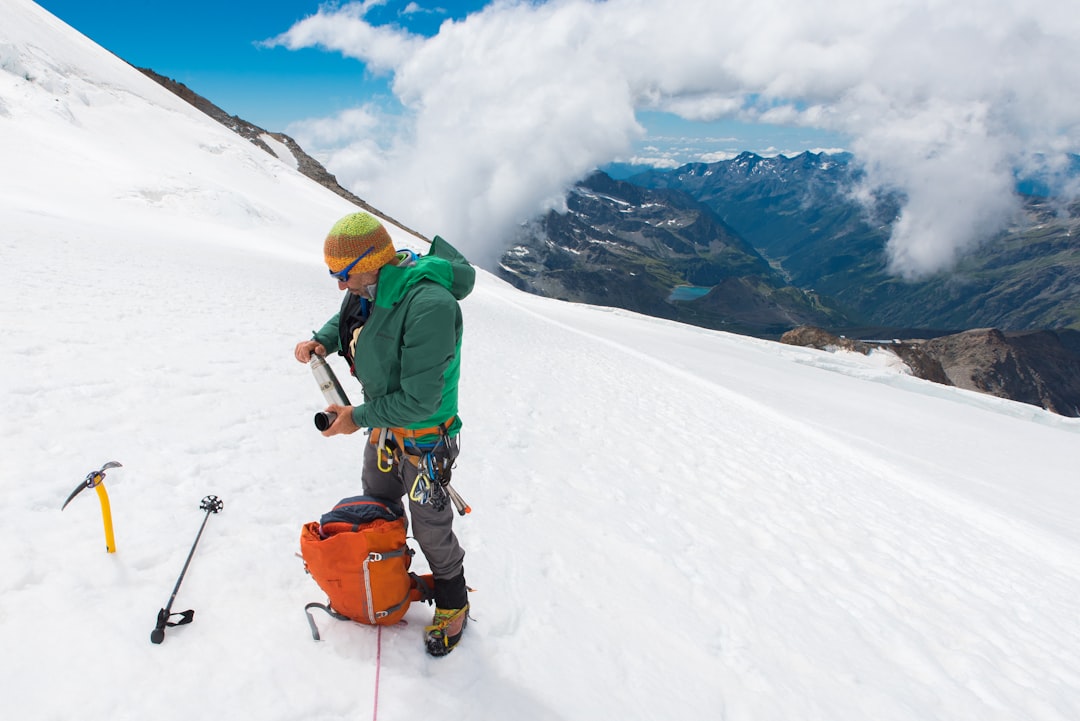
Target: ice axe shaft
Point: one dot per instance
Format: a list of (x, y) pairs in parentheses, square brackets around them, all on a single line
[(210, 504), (96, 480), (459, 502), (106, 518)]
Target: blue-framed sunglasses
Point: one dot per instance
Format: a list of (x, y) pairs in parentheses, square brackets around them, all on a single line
[(343, 274)]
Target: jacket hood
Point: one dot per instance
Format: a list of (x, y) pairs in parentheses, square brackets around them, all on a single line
[(443, 264)]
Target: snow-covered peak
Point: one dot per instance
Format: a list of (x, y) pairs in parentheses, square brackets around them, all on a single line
[(86, 132)]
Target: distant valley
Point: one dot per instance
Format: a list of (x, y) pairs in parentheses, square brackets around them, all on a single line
[(798, 212)]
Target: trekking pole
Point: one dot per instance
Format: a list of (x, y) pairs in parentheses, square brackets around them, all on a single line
[(96, 480), (210, 504)]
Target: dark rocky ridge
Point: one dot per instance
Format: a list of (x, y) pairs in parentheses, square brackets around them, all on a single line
[(1041, 368), (306, 164)]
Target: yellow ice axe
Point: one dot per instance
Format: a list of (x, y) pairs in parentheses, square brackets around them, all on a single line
[(96, 480)]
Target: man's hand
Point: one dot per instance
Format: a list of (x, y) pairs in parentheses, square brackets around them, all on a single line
[(343, 424), (305, 348)]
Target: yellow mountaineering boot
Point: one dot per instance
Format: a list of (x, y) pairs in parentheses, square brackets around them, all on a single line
[(445, 630)]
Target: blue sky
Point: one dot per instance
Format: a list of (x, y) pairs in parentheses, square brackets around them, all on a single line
[(213, 48)]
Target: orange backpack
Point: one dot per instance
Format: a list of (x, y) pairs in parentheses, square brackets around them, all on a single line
[(357, 554)]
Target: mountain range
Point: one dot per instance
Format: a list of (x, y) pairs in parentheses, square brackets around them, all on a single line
[(763, 246), (801, 214), (658, 252)]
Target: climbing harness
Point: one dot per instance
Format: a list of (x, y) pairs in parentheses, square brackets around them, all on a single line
[(434, 468)]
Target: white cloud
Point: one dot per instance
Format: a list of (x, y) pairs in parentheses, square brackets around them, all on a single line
[(717, 157), (654, 161), (417, 9), (344, 30), (341, 129), (942, 99)]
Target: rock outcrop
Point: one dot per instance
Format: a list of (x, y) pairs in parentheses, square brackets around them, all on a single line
[(1034, 367)]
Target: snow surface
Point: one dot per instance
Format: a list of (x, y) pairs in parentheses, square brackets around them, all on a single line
[(669, 522), (280, 149)]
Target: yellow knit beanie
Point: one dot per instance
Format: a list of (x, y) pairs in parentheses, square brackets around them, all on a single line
[(354, 235)]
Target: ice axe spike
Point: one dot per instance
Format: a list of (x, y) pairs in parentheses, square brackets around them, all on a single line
[(96, 480)]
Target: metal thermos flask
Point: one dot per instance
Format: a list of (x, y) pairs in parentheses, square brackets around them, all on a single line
[(331, 390)]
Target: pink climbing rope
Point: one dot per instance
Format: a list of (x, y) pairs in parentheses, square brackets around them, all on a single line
[(378, 668)]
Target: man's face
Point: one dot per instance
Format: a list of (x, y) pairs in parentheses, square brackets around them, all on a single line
[(359, 283)]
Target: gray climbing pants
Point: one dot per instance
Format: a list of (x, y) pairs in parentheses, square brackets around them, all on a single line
[(433, 530)]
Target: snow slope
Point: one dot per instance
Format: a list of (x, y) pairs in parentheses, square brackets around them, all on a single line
[(668, 522)]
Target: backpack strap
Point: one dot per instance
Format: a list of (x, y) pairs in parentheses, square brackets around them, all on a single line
[(311, 620), (342, 617), (353, 314), (422, 590), (375, 557)]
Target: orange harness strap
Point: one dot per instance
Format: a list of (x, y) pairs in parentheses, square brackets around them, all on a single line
[(407, 433), (380, 437)]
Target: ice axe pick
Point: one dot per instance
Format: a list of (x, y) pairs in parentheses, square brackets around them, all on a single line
[(96, 480)]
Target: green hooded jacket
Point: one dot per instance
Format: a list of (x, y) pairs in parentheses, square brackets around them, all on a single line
[(408, 351)]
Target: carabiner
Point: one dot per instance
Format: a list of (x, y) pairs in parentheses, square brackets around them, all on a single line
[(421, 489), (383, 448), (386, 459)]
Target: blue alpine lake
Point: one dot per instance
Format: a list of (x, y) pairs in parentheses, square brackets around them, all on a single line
[(687, 292)]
